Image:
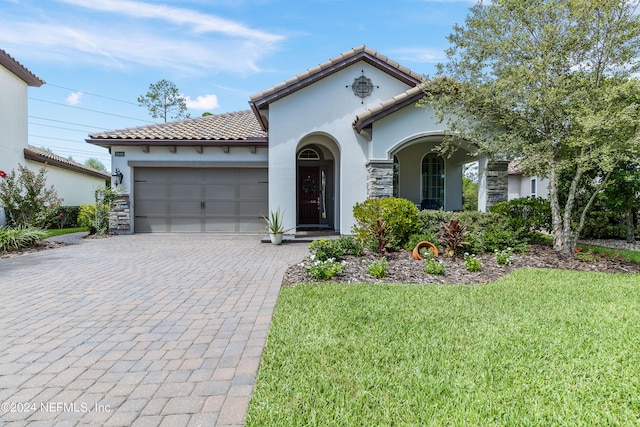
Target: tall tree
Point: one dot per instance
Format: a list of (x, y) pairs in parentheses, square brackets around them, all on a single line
[(164, 101), (95, 164), (549, 82)]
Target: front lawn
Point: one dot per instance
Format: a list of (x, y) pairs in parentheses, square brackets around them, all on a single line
[(537, 347)]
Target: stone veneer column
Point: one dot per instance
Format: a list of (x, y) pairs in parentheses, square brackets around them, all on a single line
[(120, 215), (380, 179), (497, 182)]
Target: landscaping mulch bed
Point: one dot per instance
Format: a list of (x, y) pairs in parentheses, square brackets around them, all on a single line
[(404, 269), (43, 246)]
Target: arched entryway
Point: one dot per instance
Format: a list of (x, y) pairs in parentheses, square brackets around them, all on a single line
[(316, 183), (425, 176)]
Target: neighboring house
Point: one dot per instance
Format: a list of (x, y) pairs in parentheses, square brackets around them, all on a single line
[(521, 185), (312, 146), (73, 182)]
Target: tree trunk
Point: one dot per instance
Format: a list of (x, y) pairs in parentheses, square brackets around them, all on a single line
[(559, 238)]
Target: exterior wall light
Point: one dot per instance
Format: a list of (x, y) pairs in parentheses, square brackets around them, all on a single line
[(117, 177)]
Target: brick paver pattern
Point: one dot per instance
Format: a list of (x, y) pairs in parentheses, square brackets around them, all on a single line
[(141, 330)]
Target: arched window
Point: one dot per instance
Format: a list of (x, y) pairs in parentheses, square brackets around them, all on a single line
[(308, 154), (432, 181)]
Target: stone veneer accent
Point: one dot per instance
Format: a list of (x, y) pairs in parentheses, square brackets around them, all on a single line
[(379, 179), (120, 215), (497, 182)]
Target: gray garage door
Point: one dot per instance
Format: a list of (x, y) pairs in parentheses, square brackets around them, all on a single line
[(200, 200)]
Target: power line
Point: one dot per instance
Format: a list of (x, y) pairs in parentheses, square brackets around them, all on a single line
[(93, 111), (67, 123), (58, 127), (94, 94), (51, 137)]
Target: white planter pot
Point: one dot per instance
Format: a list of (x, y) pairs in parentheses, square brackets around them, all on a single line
[(276, 239)]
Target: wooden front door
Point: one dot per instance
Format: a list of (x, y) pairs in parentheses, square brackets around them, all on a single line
[(309, 195)]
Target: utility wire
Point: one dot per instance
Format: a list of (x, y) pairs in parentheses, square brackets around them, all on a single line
[(67, 123), (93, 111), (93, 94)]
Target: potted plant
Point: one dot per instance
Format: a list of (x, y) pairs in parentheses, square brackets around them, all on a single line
[(274, 226)]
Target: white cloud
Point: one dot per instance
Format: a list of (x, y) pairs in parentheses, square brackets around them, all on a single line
[(74, 98), (137, 34), (200, 22), (203, 102)]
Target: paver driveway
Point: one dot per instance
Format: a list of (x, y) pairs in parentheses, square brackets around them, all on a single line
[(137, 330)]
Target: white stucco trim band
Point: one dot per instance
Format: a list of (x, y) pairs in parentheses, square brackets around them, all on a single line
[(195, 164)]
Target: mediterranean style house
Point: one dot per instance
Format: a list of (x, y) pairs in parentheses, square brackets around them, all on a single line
[(74, 183), (312, 146)]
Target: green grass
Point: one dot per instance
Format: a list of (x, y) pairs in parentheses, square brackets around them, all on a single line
[(59, 231), (538, 347)]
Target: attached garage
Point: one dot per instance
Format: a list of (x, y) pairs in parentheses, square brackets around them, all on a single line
[(200, 200)]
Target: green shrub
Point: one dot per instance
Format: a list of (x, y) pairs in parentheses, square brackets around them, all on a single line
[(504, 257), (526, 214), (105, 197), (485, 232), (350, 245), (495, 238), (325, 249), (431, 266), (26, 199), (387, 223), (379, 269), (472, 263), (13, 238), (323, 270), (64, 217), (87, 217)]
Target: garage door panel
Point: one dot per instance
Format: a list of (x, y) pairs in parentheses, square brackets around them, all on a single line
[(224, 200), (182, 208), (220, 192), (186, 225), (251, 225), (152, 207), (251, 191), (221, 225), (186, 191), (151, 225), (220, 209), (252, 209), (152, 190)]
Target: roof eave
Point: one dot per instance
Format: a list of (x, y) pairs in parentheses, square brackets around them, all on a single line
[(19, 70), (36, 157), (137, 142), (263, 99), (362, 123)]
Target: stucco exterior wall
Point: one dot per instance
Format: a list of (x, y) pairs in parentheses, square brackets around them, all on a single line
[(326, 108), (13, 122), (74, 188), (520, 186)]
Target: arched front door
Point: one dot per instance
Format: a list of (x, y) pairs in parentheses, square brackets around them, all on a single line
[(314, 188)]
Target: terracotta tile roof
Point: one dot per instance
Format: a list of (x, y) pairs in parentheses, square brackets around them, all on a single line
[(387, 107), (238, 127), (43, 156), (19, 70), (261, 101)]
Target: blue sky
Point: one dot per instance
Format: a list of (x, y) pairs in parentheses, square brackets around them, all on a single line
[(98, 56)]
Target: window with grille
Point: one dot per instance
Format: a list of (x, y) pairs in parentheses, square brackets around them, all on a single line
[(433, 181)]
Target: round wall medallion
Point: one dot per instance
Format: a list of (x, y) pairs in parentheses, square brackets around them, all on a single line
[(362, 87)]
